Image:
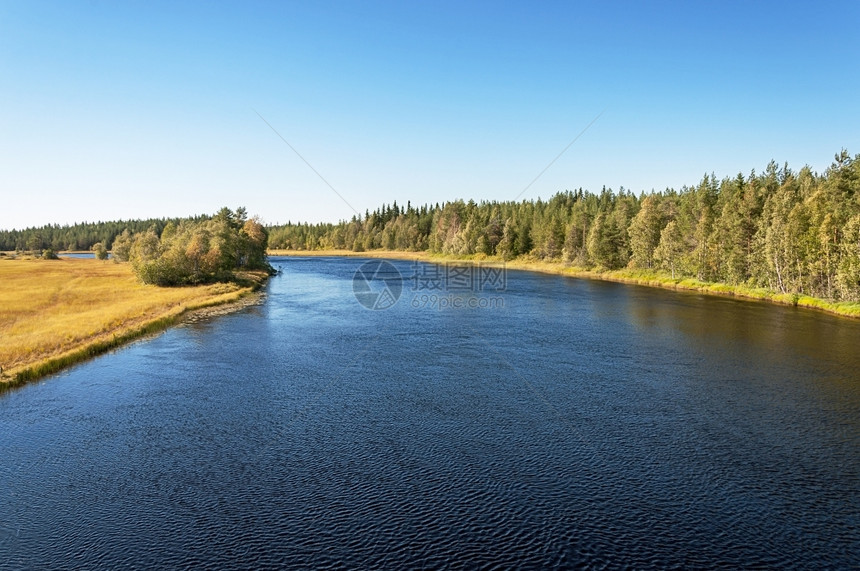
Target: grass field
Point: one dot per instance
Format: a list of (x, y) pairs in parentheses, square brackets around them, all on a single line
[(55, 313), (638, 277)]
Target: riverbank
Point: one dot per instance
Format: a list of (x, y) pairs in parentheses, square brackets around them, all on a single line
[(629, 276), (54, 314)]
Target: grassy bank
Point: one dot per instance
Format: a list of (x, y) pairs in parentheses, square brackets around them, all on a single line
[(57, 313), (638, 277)]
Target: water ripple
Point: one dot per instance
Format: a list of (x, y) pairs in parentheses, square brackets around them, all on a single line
[(600, 440)]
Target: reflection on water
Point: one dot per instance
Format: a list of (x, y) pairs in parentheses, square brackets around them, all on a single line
[(581, 423)]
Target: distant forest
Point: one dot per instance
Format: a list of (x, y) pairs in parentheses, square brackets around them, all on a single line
[(792, 232), (166, 252), (83, 236)]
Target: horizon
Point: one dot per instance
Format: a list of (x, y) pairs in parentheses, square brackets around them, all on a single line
[(315, 113), (361, 216)]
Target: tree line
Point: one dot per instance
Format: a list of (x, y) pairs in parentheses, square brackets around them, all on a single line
[(165, 252), (78, 237), (792, 232)]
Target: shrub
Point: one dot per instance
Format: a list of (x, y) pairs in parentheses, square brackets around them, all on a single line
[(195, 252), (100, 251)]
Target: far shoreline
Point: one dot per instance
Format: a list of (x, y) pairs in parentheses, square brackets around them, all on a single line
[(849, 310)]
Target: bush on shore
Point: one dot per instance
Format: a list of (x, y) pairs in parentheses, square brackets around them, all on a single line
[(195, 252)]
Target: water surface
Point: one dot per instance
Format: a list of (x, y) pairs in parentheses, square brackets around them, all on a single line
[(581, 423), (78, 255)]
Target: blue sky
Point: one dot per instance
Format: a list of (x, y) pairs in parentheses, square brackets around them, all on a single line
[(118, 110)]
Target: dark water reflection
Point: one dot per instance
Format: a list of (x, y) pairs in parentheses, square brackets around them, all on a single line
[(583, 423)]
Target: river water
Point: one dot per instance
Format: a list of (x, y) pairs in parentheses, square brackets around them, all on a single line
[(544, 421)]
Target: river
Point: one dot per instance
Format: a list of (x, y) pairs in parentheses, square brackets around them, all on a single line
[(475, 418)]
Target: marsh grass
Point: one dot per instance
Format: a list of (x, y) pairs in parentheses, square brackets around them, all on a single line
[(56, 313)]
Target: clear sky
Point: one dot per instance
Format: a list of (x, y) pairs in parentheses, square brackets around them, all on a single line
[(117, 110)]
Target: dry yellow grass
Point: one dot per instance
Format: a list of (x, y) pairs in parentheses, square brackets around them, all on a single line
[(54, 313)]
